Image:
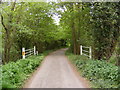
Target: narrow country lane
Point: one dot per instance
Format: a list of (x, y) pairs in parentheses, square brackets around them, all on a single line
[(56, 72)]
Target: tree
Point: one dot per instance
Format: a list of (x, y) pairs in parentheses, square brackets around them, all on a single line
[(8, 30), (106, 29), (76, 18), (34, 26)]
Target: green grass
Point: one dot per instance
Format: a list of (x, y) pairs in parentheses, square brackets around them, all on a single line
[(0, 39), (113, 59), (15, 73), (0, 43), (0, 56), (101, 74)]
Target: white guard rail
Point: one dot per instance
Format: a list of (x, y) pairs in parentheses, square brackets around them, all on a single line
[(29, 52), (84, 52)]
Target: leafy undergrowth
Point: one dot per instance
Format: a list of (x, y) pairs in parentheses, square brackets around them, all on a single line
[(15, 73), (100, 73)]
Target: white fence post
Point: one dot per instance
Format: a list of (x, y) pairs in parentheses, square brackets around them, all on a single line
[(23, 53), (28, 52), (85, 52), (80, 49), (34, 50), (31, 52), (37, 52), (90, 53)]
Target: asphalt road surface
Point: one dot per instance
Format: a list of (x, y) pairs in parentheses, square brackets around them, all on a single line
[(56, 72)]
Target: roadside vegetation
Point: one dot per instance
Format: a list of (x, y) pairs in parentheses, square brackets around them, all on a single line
[(1, 44), (50, 25), (1, 49), (14, 74), (78, 23), (101, 74)]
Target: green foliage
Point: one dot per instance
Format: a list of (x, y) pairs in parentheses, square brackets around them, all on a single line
[(0, 77), (33, 27), (15, 73), (75, 22), (0, 40), (113, 59), (92, 24), (106, 31), (101, 73)]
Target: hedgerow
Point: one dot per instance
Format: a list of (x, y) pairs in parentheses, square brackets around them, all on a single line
[(101, 73), (15, 73)]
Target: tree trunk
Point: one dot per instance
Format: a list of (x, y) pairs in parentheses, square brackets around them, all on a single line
[(74, 31), (74, 39), (79, 7), (8, 31)]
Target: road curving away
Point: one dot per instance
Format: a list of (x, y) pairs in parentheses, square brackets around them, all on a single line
[(56, 72)]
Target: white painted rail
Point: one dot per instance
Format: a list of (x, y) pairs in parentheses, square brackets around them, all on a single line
[(84, 52), (29, 52)]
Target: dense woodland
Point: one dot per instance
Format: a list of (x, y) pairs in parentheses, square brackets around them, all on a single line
[(26, 24)]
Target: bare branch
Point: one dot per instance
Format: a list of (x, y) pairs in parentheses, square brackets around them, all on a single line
[(2, 21)]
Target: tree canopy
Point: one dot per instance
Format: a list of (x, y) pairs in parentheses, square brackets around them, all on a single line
[(26, 24)]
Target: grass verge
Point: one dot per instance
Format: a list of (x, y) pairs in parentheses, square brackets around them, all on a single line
[(15, 73), (101, 74)]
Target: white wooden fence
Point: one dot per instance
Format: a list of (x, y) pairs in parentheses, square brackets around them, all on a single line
[(29, 52), (84, 52)]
